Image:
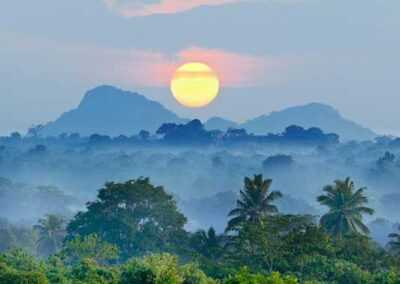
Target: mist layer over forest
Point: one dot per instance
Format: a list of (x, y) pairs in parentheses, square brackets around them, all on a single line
[(204, 170)]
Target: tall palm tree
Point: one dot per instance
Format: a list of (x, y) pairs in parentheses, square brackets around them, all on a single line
[(394, 243), (51, 233), (346, 208), (255, 202)]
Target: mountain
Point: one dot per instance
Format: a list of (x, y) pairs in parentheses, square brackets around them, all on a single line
[(111, 111), (219, 123), (310, 115)]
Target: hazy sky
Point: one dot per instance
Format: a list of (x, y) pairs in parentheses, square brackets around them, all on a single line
[(270, 54)]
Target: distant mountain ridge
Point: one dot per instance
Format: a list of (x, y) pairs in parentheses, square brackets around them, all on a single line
[(220, 123), (111, 111), (310, 115)]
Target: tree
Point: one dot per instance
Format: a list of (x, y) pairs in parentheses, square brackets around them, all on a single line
[(161, 269), (362, 251), (208, 243), (135, 216), (386, 162), (144, 135), (256, 245), (255, 202), (16, 236), (192, 132), (51, 233), (244, 276), (90, 272), (88, 247), (346, 208), (302, 242), (166, 129), (394, 243), (278, 162), (264, 246)]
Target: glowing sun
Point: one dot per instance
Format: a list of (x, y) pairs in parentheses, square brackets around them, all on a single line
[(195, 85)]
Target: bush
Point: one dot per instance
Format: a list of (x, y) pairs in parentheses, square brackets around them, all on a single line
[(244, 276), (162, 269), (136, 272), (89, 272), (11, 276), (193, 275)]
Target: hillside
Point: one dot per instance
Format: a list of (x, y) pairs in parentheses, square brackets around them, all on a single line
[(110, 111), (310, 115)]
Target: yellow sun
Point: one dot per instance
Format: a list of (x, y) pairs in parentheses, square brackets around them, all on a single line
[(195, 85)]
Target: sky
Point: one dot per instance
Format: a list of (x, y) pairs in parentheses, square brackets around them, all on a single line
[(269, 55)]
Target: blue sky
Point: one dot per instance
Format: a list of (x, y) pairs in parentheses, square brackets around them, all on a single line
[(270, 54)]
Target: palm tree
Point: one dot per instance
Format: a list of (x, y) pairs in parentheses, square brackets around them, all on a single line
[(394, 243), (346, 208), (255, 202), (51, 233)]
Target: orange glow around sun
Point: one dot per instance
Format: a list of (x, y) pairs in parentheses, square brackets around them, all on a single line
[(195, 85)]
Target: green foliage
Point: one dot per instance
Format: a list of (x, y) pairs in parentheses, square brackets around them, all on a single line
[(349, 273), (193, 275), (207, 243), (346, 208), (88, 247), (361, 251), (165, 267), (51, 233), (254, 204), (135, 216), (20, 260), (394, 244), (162, 269), (12, 276), (136, 272), (262, 247), (244, 276), (256, 247), (387, 277), (56, 271), (89, 272), (302, 243), (17, 267)]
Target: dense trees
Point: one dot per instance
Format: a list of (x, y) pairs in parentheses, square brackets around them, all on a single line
[(91, 247), (394, 243), (208, 243), (346, 208), (193, 133), (135, 216), (127, 236)]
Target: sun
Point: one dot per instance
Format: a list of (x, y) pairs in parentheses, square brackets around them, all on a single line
[(195, 85)]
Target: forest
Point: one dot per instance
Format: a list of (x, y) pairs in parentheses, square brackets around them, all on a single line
[(134, 233), (186, 205)]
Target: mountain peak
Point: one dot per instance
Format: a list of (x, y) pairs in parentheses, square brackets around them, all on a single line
[(111, 111), (311, 109), (105, 95), (310, 115)]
